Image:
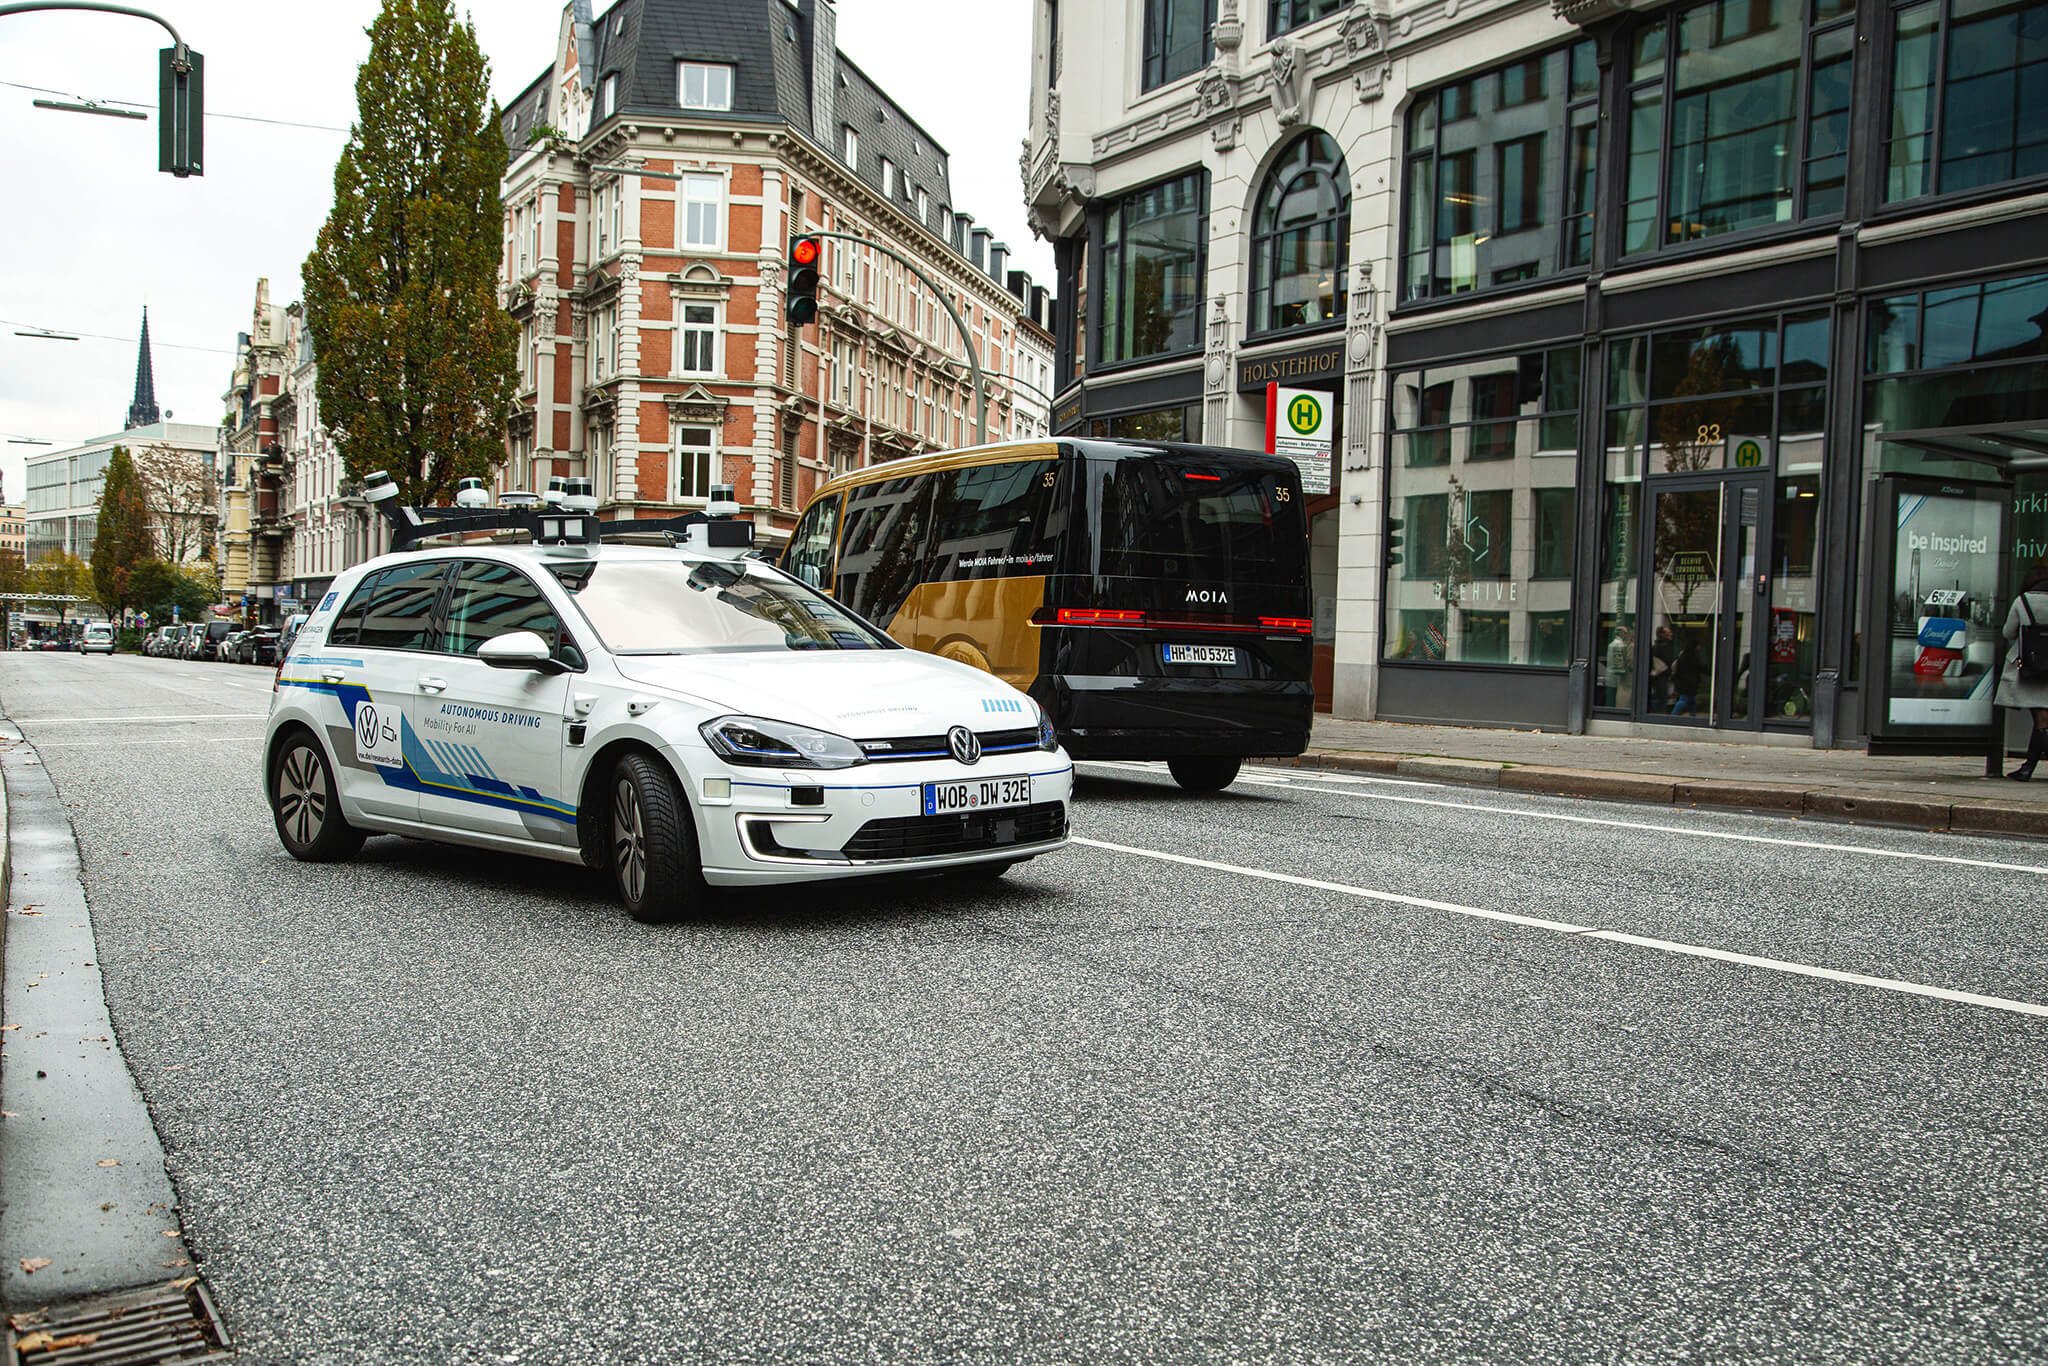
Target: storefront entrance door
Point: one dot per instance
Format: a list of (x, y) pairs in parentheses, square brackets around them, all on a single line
[(1707, 587)]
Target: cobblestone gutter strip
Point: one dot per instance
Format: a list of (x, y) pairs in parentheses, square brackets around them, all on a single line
[(1835, 803)]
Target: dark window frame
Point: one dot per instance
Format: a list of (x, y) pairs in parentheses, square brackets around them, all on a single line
[(1099, 355), (1153, 70), (1936, 130), (1422, 164), (1285, 16), (1265, 240), (1663, 85)]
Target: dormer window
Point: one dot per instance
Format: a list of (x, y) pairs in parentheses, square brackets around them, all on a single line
[(888, 178), (702, 85), (607, 97), (849, 145)]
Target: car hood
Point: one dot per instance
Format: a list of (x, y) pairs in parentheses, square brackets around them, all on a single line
[(861, 694)]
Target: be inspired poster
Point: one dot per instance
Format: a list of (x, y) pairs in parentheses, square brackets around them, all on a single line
[(1943, 638)]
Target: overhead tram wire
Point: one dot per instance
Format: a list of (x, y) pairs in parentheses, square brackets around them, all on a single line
[(125, 341), (212, 114)]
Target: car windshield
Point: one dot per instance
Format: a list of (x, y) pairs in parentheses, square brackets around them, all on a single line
[(640, 607)]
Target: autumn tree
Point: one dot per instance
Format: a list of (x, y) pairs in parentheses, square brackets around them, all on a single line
[(123, 538), (184, 500), (417, 358), (60, 574)]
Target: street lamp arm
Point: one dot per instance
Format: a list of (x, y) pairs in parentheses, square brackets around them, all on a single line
[(179, 57)]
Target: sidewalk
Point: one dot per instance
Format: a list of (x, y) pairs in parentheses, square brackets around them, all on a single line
[(1942, 793)]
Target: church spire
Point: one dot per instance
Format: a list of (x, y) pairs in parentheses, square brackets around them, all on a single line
[(143, 411)]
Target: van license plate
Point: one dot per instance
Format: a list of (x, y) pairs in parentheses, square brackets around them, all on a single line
[(945, 799), (1200, 654)]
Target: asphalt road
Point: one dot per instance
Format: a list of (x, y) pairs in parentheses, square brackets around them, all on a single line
[(436, 1106)]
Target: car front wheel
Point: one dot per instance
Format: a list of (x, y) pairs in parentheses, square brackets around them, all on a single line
[(653, 843), (1204, 774), (302, 802)]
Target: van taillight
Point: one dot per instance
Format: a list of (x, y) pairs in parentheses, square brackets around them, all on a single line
[(1298, 625), (1096, 616)]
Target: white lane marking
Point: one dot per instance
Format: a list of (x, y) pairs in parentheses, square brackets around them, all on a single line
[(134, 744), (1587, 931), (111, 720), (1303, 785)]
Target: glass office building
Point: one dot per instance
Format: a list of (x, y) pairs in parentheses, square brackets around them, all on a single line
[(1717, 385)]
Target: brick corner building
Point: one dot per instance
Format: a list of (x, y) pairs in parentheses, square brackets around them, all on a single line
[(653, 354)]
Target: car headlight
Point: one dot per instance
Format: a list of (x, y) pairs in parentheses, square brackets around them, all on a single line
[(758, 743), (1047, 739)]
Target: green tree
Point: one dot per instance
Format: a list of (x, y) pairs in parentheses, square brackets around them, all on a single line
[(123, 539), (417, 359)]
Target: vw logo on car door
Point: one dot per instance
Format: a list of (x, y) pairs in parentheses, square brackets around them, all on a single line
[(964, 744)]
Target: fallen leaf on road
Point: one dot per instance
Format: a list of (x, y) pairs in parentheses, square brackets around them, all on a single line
[(5, 1028), (31, 912), (107, 1205), (31, 1265), (110, 1162), (186, 1282), (170, 1233), (8, 1114), (43, 1342)]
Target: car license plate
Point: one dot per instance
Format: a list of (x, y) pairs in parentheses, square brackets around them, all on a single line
[(979, 794), (1200, 654)]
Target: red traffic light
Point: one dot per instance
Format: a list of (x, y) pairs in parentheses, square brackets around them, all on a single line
[(804, 251)]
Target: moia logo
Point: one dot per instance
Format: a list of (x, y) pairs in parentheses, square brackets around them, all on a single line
[(1214, 597)]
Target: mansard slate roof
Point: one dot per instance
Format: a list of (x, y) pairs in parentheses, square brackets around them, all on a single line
[(768, 45)]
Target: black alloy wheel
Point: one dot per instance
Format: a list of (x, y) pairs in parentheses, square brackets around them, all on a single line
[(1205, 773), (653, 843), (304, 806)]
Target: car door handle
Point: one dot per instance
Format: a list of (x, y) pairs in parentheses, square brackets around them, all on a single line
[(332, 676), (433, 684)]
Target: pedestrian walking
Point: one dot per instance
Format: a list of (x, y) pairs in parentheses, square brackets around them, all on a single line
[(2024, 683)]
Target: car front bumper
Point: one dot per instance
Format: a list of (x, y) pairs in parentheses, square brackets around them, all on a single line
[(784, 825)]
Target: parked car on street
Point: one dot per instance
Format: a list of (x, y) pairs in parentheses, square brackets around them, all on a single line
[(290, 632), (208, 642), (257, 647), (230, 649), (99, 638)]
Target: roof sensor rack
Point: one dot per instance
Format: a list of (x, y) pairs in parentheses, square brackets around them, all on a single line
[(566, 517)]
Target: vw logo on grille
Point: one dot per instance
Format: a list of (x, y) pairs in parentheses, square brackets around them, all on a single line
[(964, 743)]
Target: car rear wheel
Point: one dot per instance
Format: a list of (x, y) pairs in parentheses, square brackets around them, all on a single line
[(303, 803), (1204, 774), (653, 843)]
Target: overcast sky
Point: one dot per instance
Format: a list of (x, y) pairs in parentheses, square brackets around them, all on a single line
[(92, 231)]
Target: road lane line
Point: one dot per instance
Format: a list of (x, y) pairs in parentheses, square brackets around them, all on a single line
[(1671, 946), (111, 720), (1306, 785)]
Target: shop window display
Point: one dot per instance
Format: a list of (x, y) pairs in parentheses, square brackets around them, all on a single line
[(1482, 483)]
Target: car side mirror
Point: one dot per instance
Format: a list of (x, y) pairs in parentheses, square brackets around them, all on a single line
[(519, 650)]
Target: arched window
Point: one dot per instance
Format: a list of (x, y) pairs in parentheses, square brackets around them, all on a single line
[(1300, 231)]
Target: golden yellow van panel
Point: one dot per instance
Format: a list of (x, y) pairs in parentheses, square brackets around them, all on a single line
[(983, 622)]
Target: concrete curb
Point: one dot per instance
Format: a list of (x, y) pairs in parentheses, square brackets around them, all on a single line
[(1834, 803), (82, 1176)]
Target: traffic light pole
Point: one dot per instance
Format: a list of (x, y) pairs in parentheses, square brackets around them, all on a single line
[(966, 337), (181, 104)]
